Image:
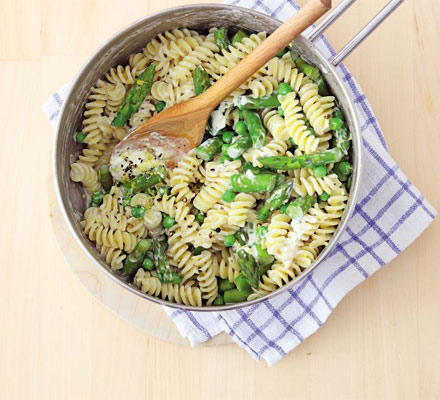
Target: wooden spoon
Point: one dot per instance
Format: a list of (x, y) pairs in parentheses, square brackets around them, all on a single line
[(181, 128)]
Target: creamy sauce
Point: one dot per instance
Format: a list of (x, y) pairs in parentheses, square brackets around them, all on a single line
[(218, 117), (241, 101), (293, 241), (146, 153)]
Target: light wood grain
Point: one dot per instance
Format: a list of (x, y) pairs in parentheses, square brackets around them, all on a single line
[(57, 342)]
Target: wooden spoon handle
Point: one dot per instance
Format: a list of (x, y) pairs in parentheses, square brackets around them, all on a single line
[(267, 49)]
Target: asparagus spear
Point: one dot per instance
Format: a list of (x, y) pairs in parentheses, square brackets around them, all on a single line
[(263, 258), (221, 38), (105, 177), (236, 296), (251, 103), (241, 283), (209, 149), (279, 196), (160, 259), (342, 139), (313, 73), (136, 257), (255, 128), (239, 36), (140, 183), (201, 80), (250, 183), (225, 285), (219, 300), (297, 209), (255, 170), (135, 96), (302, 161), (250, 269), (239, 146)]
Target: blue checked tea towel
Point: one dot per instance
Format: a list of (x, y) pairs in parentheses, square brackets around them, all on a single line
[(390, 215)]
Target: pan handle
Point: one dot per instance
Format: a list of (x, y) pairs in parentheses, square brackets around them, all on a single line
[(359, 38)]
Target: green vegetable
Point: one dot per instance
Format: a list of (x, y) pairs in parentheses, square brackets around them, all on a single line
[(138, 211), (302, 161), (313, 73), (253, 103), (227, 137), (255, 128), (126, 201), (262, 256), (160, 105), (219, 300), (80, 136), (281, 114), (239, 36), (201, 80), (225, 148), (251, 183), (142, 182), (338, 114), (97, 198), (342, 139), (324, 196), (236, 296), (197, 251), (242, 284), (261, 231), (163, 190), (278, 197), (105, 177), (135, 96), (297, 209), (229, 240), (319, 171), (281, 53), (148, 264), (240, 127), (221, 38), (250, 270), (335, 123), (135, 258), (225, 285), (239, 146), (224, 158), (209, 149), (345, 168), (228, 196), (284, 88), (168, 222), (200, 217), (162, 264)]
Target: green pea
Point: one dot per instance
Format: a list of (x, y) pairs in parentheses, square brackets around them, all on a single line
[(97, 198), (148, 264), (338, 114), (224, 157), (324, 196), (160, 105), (228, 196), (345, 168), (240, 127), (80, 136), (225, 148), (319, 171), (229, 240), (162, 191), (335, 124), (138, 211), (283, 208), (227, 137), (200, 217), (280, 112), (284, 88), (281, 53), (168, 222)]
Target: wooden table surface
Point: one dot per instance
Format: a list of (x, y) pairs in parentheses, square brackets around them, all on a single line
[(57, 342)]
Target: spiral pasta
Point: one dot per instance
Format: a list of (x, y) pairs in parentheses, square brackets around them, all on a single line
[(272, 148), (80, 172), (240, 209), (206, 278), (295, 125), (183, 175)]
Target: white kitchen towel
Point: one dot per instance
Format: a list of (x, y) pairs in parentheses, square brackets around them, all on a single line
[(390, 214)]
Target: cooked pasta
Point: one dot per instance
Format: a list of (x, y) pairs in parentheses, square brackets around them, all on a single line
[(229, 222)]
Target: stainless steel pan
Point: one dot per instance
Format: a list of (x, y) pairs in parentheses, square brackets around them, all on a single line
[(132, 39)]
